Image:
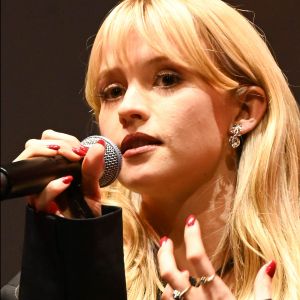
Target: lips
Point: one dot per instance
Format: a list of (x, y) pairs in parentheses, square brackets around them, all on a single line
[(136, 140)]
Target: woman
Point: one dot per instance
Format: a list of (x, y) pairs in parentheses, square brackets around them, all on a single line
[(209, 133)]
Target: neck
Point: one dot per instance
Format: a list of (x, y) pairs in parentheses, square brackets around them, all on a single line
[(210, 203)]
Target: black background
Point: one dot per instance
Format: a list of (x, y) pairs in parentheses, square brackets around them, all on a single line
[(44, 52)]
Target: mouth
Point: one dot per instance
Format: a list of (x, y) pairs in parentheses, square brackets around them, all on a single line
[(137, 140)]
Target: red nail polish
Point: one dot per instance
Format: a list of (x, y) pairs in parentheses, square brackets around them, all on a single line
[(190, 220), (84, 148), (52, 207), (271, 268), (67, 179), (102, 142), (163, 240), (53, 147), (80, 151)]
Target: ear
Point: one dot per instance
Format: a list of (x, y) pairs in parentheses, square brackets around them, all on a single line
[(253, 105)]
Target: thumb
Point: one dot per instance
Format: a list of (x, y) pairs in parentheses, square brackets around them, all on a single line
[(92, 170), (263, 281)]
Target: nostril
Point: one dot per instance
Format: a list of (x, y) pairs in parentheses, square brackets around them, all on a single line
[(136, 116), (127, 121), (123, 122), (130, 115)]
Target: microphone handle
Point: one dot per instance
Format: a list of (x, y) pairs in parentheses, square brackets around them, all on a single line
[(39, 172)]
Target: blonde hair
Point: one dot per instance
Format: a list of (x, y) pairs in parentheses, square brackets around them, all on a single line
[(228, 52)]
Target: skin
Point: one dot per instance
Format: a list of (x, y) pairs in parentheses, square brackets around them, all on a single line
[(195, 158), (193, 171)]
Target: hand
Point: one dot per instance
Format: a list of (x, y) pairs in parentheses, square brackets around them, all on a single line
[(54, 143), (197, 257)]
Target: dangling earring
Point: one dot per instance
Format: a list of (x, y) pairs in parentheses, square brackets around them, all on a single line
[(234, 139)]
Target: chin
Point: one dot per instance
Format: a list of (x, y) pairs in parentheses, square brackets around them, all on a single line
[(136, 184), (139, 182)]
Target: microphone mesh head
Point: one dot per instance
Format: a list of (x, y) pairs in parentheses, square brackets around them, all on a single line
[(112, 159)]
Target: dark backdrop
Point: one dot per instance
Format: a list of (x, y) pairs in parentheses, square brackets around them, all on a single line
[(44, 51)]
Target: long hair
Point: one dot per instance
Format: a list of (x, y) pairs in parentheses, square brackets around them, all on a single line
[(228, 52)]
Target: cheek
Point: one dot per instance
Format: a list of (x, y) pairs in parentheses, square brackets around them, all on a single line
[(109, 124), (196, 121), (209, 119), (195, 133), (198, 151)]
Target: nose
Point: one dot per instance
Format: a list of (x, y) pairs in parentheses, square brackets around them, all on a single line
[(134, 108)]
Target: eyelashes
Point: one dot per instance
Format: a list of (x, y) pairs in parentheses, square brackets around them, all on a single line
[(112, 92), (167, 79), (164, 80)]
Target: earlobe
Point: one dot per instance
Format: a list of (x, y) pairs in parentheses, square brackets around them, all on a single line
[(253, 105)]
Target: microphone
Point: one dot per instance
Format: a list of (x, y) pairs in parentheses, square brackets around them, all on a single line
[(30, 176)]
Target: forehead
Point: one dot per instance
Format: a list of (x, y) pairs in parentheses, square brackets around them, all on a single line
[(129, 52), (132, 52)]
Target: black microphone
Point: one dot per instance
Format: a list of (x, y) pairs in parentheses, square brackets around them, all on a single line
[(30, 176)]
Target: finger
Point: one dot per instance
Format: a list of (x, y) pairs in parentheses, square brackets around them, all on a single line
[(36, 151), (37, 142), (195, 251), (263, 281), (92, 170), (71, 145), (52, 208), (168, 268), (50, 137), (72, 151), (49, 142), (192, 293), (168, 293), (50, 134), (51, 191), (73, 154), (196, 255)]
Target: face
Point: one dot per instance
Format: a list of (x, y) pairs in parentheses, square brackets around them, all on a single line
[(171, 126)]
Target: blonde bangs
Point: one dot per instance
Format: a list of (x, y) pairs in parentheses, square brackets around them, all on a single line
[(170, 28), (113, 33), (199, 35)]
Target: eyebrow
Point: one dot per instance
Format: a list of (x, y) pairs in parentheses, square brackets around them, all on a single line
[(152, 61), (157, 59)]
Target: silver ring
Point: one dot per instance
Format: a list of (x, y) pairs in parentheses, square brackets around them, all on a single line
[(201, 280), (179, 295)]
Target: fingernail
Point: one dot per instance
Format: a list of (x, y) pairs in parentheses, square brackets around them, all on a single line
[(84, 148), (102, 142), (53, 147), (190, 220), (271, 268), (67, 179), (80, 151), (52, 207), (163, 240)]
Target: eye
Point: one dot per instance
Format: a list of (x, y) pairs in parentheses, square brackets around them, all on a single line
[(167, 79), (112, 92)]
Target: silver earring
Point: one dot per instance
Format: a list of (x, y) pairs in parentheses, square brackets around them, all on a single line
[(234, 139)]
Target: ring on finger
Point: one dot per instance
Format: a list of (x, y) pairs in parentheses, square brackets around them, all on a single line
[(197, 281), (179, 295)]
